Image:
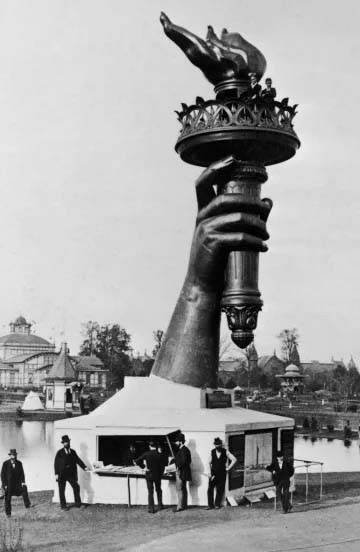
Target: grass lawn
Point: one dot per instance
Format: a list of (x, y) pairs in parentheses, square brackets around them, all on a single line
[(108, 528)]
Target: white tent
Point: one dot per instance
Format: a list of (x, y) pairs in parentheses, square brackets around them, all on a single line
[(154, 407), (32, 402)]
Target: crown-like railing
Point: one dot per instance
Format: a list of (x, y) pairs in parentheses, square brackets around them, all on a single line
[(218, 114)]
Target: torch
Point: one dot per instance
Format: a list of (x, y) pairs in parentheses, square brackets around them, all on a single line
[(243, 121)]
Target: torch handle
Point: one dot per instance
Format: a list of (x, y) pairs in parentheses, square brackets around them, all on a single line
[(241, 299)]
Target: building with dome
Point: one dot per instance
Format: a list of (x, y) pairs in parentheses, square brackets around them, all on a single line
[(291, 380), (27, 359), (21, 341)]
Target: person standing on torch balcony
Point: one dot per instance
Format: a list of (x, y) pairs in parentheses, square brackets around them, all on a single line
[(66, 462), (183, 472), (218, 470)]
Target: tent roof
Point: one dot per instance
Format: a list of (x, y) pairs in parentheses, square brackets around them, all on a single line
[(149, 431), (150, 422), (151, 404)]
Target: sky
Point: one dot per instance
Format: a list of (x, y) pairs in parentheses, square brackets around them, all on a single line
[(97, 209)]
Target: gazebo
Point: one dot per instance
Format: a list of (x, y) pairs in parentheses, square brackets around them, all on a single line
[(59, 382), (292, 380)]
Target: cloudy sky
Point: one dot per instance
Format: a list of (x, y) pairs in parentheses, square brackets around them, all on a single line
[(97, 210)]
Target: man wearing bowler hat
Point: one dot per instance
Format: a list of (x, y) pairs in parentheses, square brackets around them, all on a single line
[(66, 462), (13, 481), (221, 461), (183, 472)]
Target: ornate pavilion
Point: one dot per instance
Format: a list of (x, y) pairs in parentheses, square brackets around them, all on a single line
[(292, 380)]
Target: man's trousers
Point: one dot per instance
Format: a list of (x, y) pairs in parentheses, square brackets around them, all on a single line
[(181, 490), (283, 490), (151, 483), (21, 491), (216, 482), (76, 488)]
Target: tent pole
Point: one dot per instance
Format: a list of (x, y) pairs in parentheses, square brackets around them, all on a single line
[(170, 447)]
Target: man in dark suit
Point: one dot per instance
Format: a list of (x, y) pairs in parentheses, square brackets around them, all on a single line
[(66, 462), (221, 461), (282, 469), (154, 468), (253, 92), (183, 471), (13, 481), (268, 93)]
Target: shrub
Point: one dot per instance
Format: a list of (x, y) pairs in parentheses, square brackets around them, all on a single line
[(314, 424), (306, 423)]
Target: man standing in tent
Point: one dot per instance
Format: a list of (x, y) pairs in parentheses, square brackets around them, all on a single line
[(66, 462), (13, 481), (219, 466), (154, 468), (183, 472)]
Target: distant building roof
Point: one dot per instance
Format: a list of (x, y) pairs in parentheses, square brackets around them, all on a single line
[(24, 340), (267, 361), (90, 362), (291, 371), (17, 359), (20, 321), (316, 366), (62, 368)]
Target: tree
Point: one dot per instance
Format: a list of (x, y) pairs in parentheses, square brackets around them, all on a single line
[(253, 374), (289, 341), (112, 347), (158, 337), (89, 332), (110, 343)]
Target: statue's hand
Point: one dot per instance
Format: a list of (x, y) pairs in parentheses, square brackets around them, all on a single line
[(229, 222)]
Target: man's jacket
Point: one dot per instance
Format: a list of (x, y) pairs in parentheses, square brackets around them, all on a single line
[(66, 464), (12, 478), (283, 474), (182, 462)]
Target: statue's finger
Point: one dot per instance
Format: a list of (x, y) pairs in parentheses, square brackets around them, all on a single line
[(164, 19), (267, 202), (215, 174), (230, 203), (238, 222), (241, 241)]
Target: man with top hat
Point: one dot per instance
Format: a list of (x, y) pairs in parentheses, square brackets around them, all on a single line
[(13, 481), (221, 461), (183, 471), (66, 462)]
